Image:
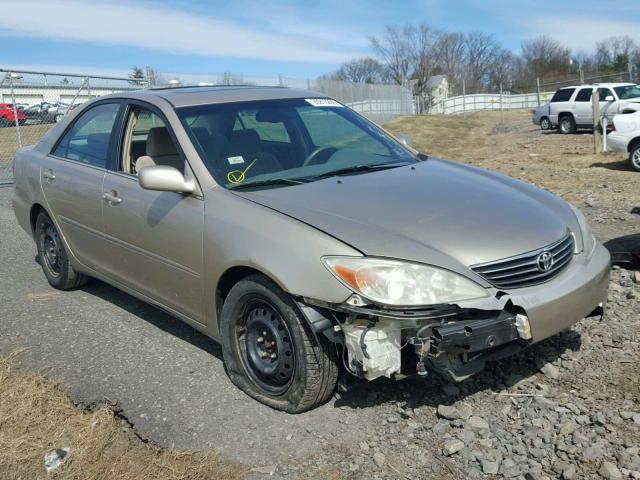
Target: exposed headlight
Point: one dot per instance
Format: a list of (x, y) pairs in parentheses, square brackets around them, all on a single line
[(394, 282), (588, 240)]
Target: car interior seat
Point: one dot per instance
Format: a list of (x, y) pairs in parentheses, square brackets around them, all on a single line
[(160, 150)]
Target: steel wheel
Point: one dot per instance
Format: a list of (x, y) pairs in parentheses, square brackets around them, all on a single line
[(264, 343), (52, 250)]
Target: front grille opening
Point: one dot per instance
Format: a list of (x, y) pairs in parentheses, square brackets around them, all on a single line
[(531, 268)]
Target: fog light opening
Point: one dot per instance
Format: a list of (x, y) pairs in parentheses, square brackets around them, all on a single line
[(523, 326)]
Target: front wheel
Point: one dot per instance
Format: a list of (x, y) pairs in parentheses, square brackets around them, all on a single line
[(53, 256), (634, 158), (270, 352), (567, 125)]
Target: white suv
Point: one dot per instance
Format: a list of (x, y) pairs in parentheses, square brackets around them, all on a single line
[(570, 108)]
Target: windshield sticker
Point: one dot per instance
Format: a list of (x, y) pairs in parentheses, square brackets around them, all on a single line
[(235, 160), (239, 176), (322, 102)]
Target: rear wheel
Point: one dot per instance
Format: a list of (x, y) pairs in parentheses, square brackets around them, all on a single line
[(567, 125), (53, 256), (269, 350), (545, 124), (634, 158)]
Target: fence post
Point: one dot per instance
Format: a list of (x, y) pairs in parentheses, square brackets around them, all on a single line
[(464, 98), (501, 107), (15, 108), (597, 134)]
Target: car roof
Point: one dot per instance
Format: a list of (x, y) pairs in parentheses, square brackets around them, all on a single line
[(620, 84), (203, 95)]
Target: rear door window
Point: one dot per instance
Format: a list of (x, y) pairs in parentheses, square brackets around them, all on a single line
[(89, 138), (563, 95), (584, 95)]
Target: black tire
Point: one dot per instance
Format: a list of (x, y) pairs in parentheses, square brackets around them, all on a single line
[(53, 256), (545, 123), (634, 158), (263, 333), (567, 124)]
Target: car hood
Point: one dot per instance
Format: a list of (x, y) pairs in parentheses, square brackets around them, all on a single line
[(435, 212)]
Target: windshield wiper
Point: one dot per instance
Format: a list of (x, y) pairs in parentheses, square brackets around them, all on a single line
[(263, 183), (356, 169)]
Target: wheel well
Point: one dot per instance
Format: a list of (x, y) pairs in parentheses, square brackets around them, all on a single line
[(33, 215), (565, 114), (228, 280), (633, 143)]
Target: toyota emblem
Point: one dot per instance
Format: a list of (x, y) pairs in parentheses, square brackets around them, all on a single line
[(544, 261)]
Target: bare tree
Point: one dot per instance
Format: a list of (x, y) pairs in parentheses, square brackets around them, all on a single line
[(481, 50), (420, 45), (609, 50), (544, 56), (361, 70), (449, 50), (393, 50)]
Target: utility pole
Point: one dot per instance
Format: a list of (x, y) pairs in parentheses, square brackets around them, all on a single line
[(597, 127), (501, 107), (538, 89)]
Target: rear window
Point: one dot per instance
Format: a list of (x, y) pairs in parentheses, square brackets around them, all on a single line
[(563, 95)]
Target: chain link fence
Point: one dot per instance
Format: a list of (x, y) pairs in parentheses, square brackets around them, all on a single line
[(32, 102)]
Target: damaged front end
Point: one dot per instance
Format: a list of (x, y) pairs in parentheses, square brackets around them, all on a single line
[(453, 341)]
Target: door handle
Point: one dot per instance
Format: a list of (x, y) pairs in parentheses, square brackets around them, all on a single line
[(112, 197), (49, 176)]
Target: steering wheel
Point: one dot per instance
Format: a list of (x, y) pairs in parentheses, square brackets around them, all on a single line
[(310, 160)]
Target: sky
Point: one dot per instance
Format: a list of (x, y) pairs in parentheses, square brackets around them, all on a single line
[(298, 39)]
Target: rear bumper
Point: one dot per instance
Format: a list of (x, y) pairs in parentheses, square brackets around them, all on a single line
[(616, 142)]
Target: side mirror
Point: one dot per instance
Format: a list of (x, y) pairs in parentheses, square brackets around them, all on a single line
[(609, 98), (165, 179), (405, 139)]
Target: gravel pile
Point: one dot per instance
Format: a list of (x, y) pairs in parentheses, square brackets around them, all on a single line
[(566, 408)]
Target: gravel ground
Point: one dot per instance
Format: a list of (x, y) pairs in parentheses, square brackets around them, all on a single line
[(566, 408)]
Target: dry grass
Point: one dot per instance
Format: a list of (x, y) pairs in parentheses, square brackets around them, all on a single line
[(36, 418)]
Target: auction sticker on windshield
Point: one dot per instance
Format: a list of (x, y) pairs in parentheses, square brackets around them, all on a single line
[(323, 102)]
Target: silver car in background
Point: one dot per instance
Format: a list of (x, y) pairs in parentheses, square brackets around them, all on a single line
[(305, 239), (540, 117)]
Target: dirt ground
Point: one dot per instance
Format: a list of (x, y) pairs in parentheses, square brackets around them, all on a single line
[(37, 418), (568, 408)]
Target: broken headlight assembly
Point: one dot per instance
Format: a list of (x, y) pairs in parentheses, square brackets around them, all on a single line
[(400, 283), (588, 240)]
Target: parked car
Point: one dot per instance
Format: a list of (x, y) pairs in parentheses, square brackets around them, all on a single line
[(541, 117), (625, 137), (303, 237), (571, 107), (46, 112), (8, 115)]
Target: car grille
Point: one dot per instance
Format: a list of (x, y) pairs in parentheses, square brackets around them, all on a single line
[(530, 268)]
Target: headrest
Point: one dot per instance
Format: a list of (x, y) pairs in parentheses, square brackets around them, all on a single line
[(159, 143), (244, 141)]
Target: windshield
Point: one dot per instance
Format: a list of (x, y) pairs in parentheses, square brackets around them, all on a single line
[(628, 91), (274, 141)]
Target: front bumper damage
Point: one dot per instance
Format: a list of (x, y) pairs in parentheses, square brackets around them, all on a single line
[(458, 340)]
